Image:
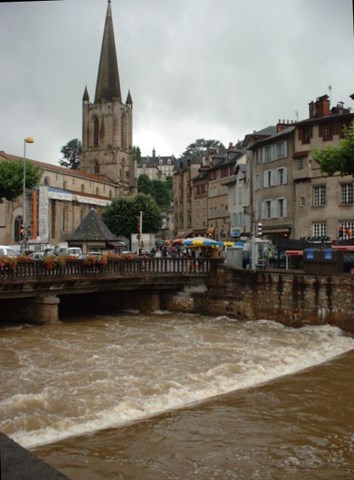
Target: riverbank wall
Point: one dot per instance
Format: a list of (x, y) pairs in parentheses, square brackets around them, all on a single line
[(292, 298)]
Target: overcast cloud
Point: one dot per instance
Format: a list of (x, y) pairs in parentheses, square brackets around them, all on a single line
[(195, 68)]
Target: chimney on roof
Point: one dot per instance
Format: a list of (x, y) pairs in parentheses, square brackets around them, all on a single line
[(320, 108), (283, 124)]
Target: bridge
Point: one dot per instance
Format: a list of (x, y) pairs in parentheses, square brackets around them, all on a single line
[(35, 291)]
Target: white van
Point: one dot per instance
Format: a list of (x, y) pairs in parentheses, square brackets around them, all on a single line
[(8, 251), (72, 251)]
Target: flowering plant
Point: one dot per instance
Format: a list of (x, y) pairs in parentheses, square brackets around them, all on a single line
[(24, 259), (8, 262), (51, 262), (90, 260)]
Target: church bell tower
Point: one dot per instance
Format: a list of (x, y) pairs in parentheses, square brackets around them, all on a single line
[(107, 123)]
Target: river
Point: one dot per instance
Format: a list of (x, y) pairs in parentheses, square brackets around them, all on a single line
[(176, 396)]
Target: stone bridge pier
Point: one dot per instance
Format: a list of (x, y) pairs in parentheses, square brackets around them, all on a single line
[(38, 310)]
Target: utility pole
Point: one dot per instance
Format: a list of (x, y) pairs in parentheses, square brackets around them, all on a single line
[(141, 244)]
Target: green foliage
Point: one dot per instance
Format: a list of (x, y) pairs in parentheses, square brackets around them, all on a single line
[(72, 154), (163, 193), (337, 159), (145, 185), (137, 154), (11, 178), (159, 190), (200, 147), (121, 216)]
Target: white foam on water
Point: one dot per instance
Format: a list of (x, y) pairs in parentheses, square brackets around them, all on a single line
[(126, 371)]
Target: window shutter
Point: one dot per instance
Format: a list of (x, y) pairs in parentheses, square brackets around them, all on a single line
[(273, 209), (285, 175), (285, 206), (265, 179)]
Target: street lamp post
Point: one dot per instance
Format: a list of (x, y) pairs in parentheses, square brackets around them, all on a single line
[(24, 219)]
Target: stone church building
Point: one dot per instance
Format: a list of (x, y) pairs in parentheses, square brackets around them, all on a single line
[(108, 169)]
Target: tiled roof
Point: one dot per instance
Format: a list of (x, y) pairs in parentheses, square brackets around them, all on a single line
[(93, 228), (56, 168)]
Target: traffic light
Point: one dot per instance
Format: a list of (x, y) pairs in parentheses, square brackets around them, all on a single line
[(22, 230), (259, 230)]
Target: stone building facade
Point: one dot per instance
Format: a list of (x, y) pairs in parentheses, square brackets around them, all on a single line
[(322, 205), (108, 169), (282, 187), (107, 130), (57, 206), (157, 167)]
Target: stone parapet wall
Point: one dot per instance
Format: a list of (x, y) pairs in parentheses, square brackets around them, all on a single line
[(292, 298)]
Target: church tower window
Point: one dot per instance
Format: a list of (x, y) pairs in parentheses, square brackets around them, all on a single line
[(95, 132)]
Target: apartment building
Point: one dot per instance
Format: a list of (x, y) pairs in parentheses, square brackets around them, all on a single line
[(273, 193), (323, 205), (185, 171), (277, 183)]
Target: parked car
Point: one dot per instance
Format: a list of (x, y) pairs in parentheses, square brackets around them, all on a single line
[(71, 251), (6, 251), (37, 255)]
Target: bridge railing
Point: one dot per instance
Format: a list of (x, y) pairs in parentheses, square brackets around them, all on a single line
[(121, 267)]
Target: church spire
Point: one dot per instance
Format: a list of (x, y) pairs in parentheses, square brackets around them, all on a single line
[(108, 86)]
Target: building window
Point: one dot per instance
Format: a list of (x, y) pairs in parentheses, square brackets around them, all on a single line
[(301, 163), (258, 182), (95, 132), (281, 176), (281, 150), (65, 185), (46, 181), (319, 196), (325, 131), (65, 219), (346, 230), (268, 209), (319, 229), (268, 178), (281, 207), (18, 221), (305, 134), (302, 201), (97, 191), (268, 154), (258, 157), (82, 188), (347, 190)]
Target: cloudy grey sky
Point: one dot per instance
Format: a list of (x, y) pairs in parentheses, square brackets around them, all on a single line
[(195, 68)]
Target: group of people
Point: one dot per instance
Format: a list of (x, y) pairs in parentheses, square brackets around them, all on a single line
[(171, 250)]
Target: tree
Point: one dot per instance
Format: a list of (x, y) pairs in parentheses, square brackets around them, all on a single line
[(145, 185), (137, 154), (160, 190), (72, 154), (11, 178), (163, 194), (337, 159), (121, 216), (201, 147)]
